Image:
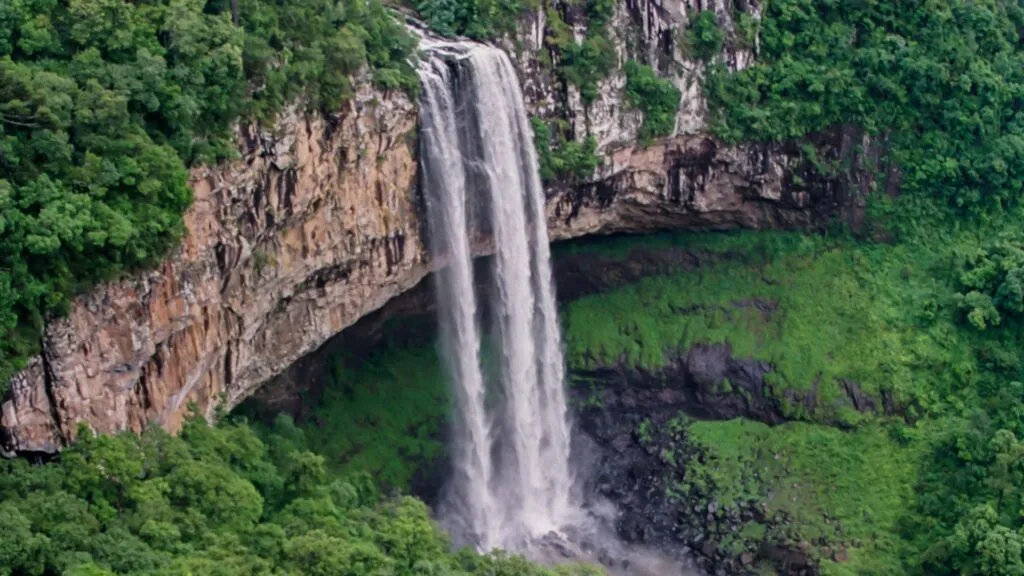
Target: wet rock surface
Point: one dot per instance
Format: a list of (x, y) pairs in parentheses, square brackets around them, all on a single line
[(593, 543), (627, 420)]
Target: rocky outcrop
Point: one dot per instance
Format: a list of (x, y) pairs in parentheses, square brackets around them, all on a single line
[(708, 382), (320, 222), (316, 225), (639, 464), (691, 183)]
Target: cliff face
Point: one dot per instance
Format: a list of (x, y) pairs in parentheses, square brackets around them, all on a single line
[(690, 180), (320, 222), (314, 227)]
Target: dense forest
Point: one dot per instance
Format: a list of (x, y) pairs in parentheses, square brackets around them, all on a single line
[(942, 84), (220, 501), (106, 104)]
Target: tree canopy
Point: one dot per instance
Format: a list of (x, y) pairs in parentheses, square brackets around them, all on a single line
[(939, 81), (220, 501)]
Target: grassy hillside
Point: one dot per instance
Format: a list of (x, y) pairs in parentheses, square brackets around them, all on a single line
[(383, 416), (820, 310)]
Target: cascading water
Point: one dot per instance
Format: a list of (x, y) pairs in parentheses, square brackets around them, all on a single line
[(445, 182), (477, 154)]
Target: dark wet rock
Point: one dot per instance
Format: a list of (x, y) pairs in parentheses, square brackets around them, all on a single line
[(555, 543), (692, 381), (630, 468), (708, 548)]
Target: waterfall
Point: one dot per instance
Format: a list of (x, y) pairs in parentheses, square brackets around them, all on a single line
[(445, 183), (480, 174)]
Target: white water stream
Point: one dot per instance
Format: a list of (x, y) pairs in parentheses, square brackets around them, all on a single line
[(479, 163)]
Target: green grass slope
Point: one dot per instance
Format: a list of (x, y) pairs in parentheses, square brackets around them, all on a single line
[(819, 310), (384, 415), (850, 488)]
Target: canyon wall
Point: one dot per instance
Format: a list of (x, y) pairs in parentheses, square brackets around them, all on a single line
[(320, 222)]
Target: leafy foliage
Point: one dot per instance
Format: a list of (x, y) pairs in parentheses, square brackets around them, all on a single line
[(939, 81), (836, 486), (991, 281), (103, 104), (569, 159), (656, 97), (219, 501), (583, 63), (986, 546), (477, 19), (703, 36)]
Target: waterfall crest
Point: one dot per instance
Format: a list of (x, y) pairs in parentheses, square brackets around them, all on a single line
[(480, 173)]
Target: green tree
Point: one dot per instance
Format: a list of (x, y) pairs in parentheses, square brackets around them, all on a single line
[(982, 547), (21, 550), (935, 80), (703, 36), (656, 97)]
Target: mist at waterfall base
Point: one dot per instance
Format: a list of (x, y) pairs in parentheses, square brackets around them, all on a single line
[(512, 483)]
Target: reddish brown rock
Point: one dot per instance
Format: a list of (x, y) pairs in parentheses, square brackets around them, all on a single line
[(313, 227)]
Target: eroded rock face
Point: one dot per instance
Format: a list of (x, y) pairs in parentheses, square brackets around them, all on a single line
[(320, 222), (692, 183), (314, 227)]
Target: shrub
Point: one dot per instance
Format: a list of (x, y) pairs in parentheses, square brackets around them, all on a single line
[(703, 36), (569, 160), (656, 97)]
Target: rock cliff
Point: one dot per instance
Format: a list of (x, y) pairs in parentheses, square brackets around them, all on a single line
[(320, 222)]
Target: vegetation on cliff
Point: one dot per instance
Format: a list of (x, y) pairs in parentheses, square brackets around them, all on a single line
[(656, 97), (220, 501), (939, 81), (938, 84), (105, 103), (477, 19), (703, 37), (834, 498), (568, 160), (567, 154)]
